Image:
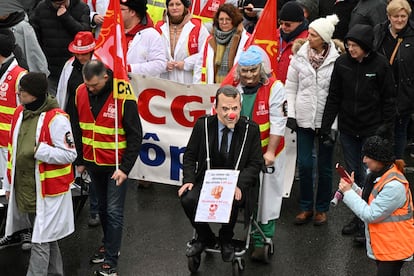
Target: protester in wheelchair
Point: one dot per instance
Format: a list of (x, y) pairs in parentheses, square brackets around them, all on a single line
[(233, 143)]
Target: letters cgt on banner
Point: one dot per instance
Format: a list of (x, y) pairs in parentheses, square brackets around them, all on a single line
[(168, 111)]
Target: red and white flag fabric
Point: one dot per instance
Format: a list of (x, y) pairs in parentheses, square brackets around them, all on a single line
[(264, 36), (111, 50)]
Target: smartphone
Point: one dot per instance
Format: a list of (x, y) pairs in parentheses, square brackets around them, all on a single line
[(342, 173)]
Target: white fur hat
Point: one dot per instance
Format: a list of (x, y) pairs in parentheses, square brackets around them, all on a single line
[(325, 26)]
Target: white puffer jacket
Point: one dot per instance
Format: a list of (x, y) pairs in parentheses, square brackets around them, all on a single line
[(307, 88)]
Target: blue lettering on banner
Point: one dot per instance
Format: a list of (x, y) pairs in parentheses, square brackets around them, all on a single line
[(176, 165), (158, 156)]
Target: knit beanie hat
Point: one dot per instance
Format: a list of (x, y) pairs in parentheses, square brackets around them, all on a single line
[(34, 83), (379, 149), (186, 3), (7, 42), (291, 11), (325, 26), (139, 6)]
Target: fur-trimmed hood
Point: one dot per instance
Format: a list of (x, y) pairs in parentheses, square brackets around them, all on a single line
[(339, 45)]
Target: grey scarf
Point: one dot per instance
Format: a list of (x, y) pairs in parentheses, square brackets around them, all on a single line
[(223, 38)]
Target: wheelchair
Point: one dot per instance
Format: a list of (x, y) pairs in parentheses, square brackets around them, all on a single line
[(241, 247)]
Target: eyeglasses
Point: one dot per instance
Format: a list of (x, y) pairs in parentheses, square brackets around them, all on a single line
[(351, 45), (224, 20), (286, 24)]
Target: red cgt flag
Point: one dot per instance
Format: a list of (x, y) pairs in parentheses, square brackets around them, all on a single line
[(111, 50), (264, 36)]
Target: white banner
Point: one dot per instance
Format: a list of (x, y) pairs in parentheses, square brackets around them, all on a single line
[(168, 111), (216, 196)]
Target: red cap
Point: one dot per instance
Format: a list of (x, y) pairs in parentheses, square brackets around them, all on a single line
[(83, 43)]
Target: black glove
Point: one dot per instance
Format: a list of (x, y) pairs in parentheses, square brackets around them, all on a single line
[(291, 123), (326, 138)]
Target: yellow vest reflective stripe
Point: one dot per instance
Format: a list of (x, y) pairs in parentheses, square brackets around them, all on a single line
[(8, 88), (5, 127), (7, 110), (55, 173), (204, 66), (261, 116), (203, 18), (55, 179), (98, 134), (392, 239)]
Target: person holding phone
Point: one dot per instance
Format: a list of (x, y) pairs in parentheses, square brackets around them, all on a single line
[(385, 207)]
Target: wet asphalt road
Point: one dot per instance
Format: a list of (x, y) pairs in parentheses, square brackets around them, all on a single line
[(156, 231)]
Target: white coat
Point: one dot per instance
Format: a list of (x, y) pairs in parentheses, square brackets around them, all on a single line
[(209, 56), (62, 88), (54, 214), (181, 52), (146, 54), (272, 186), (307, 88)]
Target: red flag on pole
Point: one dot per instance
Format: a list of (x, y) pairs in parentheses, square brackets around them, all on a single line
[(111, 50), (264, 36)]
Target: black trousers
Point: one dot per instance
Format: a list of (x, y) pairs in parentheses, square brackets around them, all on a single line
[(189, 201), (389, 268)]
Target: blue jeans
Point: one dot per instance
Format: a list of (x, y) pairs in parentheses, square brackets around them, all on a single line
[(400, 135), (306, 142), (93, 200), (111, 199), (352, 150)]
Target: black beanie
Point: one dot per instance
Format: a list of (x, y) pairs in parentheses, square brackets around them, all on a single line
[(139, 6), (379, 149), (7, 42), (186, 3), (292, 11), (34, 83)]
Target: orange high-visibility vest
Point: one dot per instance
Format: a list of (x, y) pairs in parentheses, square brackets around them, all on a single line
[(261, 116), (8, 88), (98, 136), (392, 239), (54, 179)]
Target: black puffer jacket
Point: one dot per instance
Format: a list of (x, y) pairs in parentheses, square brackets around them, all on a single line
[(56, 32), (369, 12), (362, 94), (403, 65)]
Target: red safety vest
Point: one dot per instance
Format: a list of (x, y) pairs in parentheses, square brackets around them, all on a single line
[(54, 179), (8, 103), (392, 239), (192, 39), (98, 136), (207, 13), (261, 116)]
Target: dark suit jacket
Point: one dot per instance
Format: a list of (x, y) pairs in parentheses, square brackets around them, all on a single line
[(195, 164)]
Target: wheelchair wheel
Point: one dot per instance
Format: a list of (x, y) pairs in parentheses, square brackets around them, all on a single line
[(238, 267), (268, 253), (193, 263)]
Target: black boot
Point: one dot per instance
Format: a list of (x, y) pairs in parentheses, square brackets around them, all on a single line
[(359, 237), (351, 227)]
